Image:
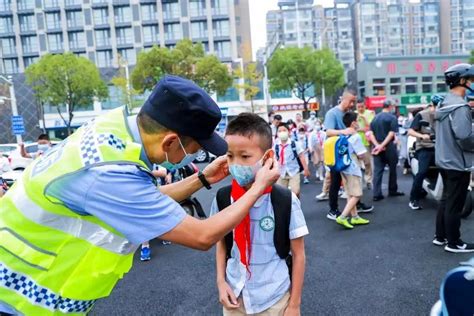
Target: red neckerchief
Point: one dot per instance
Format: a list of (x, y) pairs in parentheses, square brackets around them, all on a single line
[(242, 231)]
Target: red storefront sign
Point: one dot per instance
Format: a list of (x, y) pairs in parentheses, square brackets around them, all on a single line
[(374, 102), (419, 66), (288, 107)]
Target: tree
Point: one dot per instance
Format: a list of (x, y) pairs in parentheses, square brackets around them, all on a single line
[(471, 59), (251, 77), (187, 60), (306, 71), (66, 80)]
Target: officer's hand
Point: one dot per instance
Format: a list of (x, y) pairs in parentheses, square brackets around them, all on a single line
[(267, 175), (216, 170)]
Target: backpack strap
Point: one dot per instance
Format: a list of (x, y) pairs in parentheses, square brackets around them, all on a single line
[(281, 201), (298, 160), (277, 151), (223, 201)]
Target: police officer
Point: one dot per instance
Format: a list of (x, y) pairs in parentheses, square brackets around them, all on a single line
[(70, 226), (424, 148), (454, 154)]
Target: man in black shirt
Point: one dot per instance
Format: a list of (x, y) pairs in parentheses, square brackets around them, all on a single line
[(384, 127)]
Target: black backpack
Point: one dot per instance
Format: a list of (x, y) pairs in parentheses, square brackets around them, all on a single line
[(281, 202), (295, 154)]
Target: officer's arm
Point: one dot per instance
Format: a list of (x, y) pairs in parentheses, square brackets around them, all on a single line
[(203, 234)]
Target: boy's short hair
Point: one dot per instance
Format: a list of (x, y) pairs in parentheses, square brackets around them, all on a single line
[(349, 118), (285, 125), (249, 124), (277, 117), (43, 137)]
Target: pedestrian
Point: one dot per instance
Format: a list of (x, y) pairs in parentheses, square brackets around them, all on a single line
[(78, 213), (424, 146), (454, 155), (254, 263), (291, 159), (277, 119), (303, 140), (335, 127), (44, 144), (364, 119), (316, 141), (352, 176), (384, 128), (312, 121)]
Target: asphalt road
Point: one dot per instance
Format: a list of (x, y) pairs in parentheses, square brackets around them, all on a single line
[(386, 268)]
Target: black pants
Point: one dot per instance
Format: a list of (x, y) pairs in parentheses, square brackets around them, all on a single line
[(336, 179), (448, 219), (387, 157), (426, 158)]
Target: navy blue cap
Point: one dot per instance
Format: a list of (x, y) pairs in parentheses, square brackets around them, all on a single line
[(183, 107)]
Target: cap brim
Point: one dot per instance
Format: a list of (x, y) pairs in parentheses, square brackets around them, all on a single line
[(215, 144)]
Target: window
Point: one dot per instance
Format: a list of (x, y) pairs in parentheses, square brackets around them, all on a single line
[(101, 16), (197, 7), (6, 24), (150, 34), (102, 37), (73, 2), (77, 40), (29, 44), (411, 85), (427, 84), (173, 32), (199, 29), (27, 22), (123, 15), (5, 5), (29, 60), (55, 41), (74, 18), (51, 3), (223, 49), (441, 84), (53, 21), (221, 28), (8, 46), (171, 10), (149, 12), (10, 65), (129, 55), (104, 58), (395, 86), (378, 85), (26, 4), (220, 7), (124, 35)]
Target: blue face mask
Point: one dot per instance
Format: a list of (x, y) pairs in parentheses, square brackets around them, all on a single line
[(244, 175), (43, 147), (188, 158)]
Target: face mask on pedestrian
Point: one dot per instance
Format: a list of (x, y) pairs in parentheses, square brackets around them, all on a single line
[(317, 128), (43, 147), (312, 116), (188, 158), (283, 136), (245, 175)]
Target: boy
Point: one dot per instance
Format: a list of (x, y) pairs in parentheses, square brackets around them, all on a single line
[(291, 158), (252, 276), (303, 140), (352, 176)]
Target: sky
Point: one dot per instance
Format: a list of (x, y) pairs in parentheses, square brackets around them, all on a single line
[(258, 11)]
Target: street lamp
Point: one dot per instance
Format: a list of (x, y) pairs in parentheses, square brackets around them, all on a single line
[(12, 99), (266, 58), (124, 63), (323, 32)]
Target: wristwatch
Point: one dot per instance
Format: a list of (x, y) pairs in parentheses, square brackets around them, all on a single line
[(203, 180)]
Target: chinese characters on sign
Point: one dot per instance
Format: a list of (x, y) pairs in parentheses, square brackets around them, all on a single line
[(419, 67), (288, 107)]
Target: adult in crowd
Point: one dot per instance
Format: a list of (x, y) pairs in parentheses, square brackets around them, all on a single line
[(335, 127), (44, 144), (423, 128), (73, 221), (384, 128), (276, 121), (364, 119), (454, 154)]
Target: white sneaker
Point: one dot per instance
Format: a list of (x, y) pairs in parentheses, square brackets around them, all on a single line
[(322, 196), (321, 178), (343, 195)]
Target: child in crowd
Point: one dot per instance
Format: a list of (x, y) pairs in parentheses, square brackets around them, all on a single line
[(303, 140), (317, 138), (253, 262), (352, 176), (291, 158)]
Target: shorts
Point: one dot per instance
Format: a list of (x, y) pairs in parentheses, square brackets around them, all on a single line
[(276, 310), (293, 182), (352, 185)]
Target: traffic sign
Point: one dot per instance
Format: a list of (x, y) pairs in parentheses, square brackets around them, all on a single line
[(18, 126)]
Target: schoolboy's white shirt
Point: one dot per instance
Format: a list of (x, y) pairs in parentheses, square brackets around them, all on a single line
[(269, 278), (290, 166)]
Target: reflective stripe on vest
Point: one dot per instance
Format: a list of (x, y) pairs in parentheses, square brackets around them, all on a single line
[(38, 295), (93, 233)]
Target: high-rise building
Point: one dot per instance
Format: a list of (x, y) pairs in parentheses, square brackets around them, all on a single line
[(101, 30), (459, 15)]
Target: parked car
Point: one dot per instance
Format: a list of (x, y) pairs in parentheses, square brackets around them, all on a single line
[(17, 162), (204, 156)]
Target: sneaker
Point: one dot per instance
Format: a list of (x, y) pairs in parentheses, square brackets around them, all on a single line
[(378, 198), (459, 247), (369, 186), (322, 196), (397, 193), (414, 205), (341, 192), (145, 254), (165, 242), (344, 222), (305, 180), (440, 241), (321, 178), (359, 221), (332, 215), (343, 195), (362, 208)]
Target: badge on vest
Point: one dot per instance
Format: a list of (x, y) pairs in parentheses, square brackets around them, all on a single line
[(267, 223)]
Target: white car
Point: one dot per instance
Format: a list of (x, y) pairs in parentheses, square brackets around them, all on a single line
[(17, 162)]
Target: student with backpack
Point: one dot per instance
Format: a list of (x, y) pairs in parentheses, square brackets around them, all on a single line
[(256, 274), (351, 149), (291, 158), (303, 140)]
